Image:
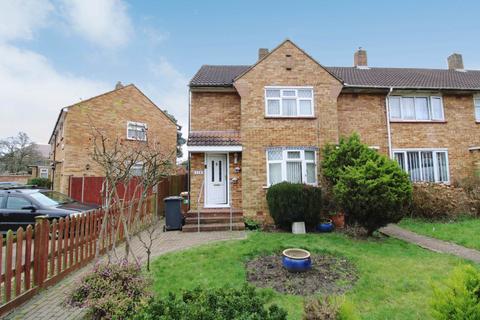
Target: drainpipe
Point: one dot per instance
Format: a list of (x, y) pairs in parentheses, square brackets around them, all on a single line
[(54, 166), (389, 132)]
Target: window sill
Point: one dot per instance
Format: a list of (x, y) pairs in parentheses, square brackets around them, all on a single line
[(138, 140), (418, 121), (289, 118)]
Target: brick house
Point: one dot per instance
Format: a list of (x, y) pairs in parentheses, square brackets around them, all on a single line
[(124, 113), (253, 126)]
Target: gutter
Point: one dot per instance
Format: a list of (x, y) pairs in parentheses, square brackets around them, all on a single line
[(389, 131)]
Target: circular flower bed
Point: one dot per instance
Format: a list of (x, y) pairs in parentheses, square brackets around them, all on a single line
[(328, 275)]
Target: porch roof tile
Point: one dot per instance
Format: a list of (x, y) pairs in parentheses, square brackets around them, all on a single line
[(214, 138)]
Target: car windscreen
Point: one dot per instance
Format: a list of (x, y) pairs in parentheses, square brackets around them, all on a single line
[(51, 198)]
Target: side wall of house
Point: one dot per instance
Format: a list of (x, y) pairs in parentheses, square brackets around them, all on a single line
[(214, 111), (364, 114), (109, 114), (286, 66)]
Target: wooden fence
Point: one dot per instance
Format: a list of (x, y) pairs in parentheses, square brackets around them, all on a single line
[(40, 257), (89, 189), (171, 186)]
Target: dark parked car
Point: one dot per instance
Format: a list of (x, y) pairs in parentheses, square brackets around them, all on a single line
[(20, 206)]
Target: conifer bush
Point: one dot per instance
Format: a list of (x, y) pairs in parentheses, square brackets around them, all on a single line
[(294, 202), (372, 189)]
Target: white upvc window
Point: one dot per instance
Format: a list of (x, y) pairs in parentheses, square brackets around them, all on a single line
[(43, 173), (429, 165), (291, 165), (136, 169), (289, 102), (476, 102), (136, 131), (416, 108)]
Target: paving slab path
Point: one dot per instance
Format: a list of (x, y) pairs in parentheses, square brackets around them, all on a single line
[(432, 244), (49, 304)]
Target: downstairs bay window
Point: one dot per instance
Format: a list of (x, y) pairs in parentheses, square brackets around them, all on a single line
[(291, 165), (424, 164)]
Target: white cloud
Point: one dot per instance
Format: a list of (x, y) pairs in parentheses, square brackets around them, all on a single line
[(170, 91), (19, 19), (32, 93), (103, 22)]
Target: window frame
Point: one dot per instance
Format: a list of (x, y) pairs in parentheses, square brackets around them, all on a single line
[(416, 97), (137, 166), (136, 124), (285, 159), (476, 104), (296, 97), (434, 151), (42, 171)]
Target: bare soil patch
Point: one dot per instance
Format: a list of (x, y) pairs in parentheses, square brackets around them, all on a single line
[(329, 275)]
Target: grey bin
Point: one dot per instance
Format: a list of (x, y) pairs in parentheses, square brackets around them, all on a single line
[(173, 213)]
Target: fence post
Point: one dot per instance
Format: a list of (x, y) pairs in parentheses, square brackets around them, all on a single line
[(40, 261)]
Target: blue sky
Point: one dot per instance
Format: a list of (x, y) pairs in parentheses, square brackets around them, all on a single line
[(54, 52)]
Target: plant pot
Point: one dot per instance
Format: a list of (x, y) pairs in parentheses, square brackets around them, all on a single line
[(339, 220), (296, 260), (298, 228), (325, 226)]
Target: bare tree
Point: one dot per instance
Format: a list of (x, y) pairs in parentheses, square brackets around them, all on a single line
[(132, 169), (148, 236), (17, 152)]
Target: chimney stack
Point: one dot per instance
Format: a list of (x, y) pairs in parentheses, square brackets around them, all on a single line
[(360, 58), (262, 52), (119, 85), (455, 62)]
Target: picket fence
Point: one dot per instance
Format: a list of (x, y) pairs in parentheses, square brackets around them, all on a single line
[(39, 257)]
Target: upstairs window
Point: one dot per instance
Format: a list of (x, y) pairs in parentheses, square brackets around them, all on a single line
[(292, 165), (136, 131), (289, 102), (477, 109), (416, 108), (424, 165)]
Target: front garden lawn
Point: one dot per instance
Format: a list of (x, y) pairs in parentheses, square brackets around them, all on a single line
[(464, 231), (394, 277)]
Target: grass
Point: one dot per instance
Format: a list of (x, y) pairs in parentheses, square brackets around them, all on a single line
[(394, 277), (464, 232)]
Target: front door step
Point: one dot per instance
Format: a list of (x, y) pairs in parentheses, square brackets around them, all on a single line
[(214, 220)]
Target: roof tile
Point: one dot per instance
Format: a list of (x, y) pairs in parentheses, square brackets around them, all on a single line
[(410, 78), (214, 138)]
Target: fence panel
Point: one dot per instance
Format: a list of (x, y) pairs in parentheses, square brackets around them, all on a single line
[(59, 247)]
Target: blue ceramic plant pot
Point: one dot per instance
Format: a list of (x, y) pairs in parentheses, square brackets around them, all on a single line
[(296, 260), (325, 226)]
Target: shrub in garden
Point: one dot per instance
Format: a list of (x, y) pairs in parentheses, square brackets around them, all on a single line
[(458, 298), (349, 152), (471, 185), (328, 309), (111, 291), (439, 201), (374, 193), (292, 202), (40, 182), (208, 303)]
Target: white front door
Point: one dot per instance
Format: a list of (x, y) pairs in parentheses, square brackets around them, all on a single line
[(216, 183)]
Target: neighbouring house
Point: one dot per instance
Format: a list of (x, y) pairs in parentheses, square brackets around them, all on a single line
[(252, 126), (42, 168), (125, 114)]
